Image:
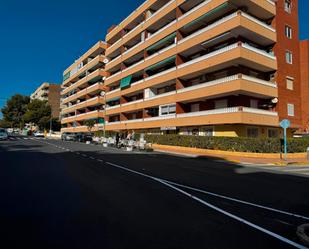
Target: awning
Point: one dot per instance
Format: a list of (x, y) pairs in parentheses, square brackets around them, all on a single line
[(101, 121), (113, 99), (168, 38), (66, 76), (125, 82), (161, 63), (205, 15)]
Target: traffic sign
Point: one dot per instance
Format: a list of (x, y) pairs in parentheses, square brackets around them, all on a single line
[(285, 123)]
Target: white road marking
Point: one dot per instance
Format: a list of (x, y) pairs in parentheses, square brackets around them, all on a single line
[(84, 155), (92, 158), (99, 160), (238, 200), (275, 235), (166, 183)]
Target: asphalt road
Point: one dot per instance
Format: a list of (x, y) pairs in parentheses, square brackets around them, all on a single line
[(58, 195)]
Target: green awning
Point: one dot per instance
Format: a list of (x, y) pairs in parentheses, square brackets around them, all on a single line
[(66, 76), (205, 15), (161, 63), (168, 38), (125, 82), (112, 100), (101, 121)]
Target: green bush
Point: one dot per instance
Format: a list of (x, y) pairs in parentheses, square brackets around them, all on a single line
[(240, 144)]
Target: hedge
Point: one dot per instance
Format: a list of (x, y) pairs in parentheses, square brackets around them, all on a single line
[(239, 144)]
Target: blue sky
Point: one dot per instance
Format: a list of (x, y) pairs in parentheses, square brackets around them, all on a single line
[(39, 40)]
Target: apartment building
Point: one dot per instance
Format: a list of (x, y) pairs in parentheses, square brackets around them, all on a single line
[(204, 67), (304, 75), (287, 52), (83, 91), (50, 93)]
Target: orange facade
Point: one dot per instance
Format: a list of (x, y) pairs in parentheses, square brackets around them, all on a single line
[(218, 67)]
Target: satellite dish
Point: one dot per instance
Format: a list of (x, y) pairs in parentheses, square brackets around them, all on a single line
[(78, 101), (106, 60), (102, 93), (274, 100), (104, 78)]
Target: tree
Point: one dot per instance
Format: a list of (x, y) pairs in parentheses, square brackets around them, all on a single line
[(15, 109), (5, 124), (90, 124), (38, 112)]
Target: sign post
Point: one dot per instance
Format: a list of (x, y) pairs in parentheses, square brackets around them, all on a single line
[(285, 124)]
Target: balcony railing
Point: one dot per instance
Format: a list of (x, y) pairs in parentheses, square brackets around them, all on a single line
[(82, 68), (77, 83), (82, 103), (211, 26), (201, 86), (238, 109), (82, 92), (83, 114)]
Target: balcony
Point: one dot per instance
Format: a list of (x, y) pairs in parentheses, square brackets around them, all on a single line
[(95, 88), (95, 101), (239, 22), (83, 128), (84, 116), (195, 13), (99, 59), (233, 115), (238, 53), (96, 75), (232, 85)]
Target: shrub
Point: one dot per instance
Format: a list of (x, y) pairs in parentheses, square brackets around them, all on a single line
[(240, 144)]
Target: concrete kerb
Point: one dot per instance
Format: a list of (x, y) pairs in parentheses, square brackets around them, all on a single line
[(303, 233), (299, 159)]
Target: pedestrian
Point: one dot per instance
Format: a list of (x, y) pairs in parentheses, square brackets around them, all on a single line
[(117, 139)]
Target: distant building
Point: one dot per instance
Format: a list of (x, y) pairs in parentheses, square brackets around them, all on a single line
[(50, 93)]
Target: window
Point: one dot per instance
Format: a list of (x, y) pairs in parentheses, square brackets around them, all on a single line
[(254, 103), (289, 83), (195, 107), (287, 6), (273, 133), (167, 109), (221, 104), (288, 57), (291, 111), (288, 32), (252, 132)]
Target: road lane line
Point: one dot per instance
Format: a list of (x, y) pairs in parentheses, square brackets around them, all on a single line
[(213, 194), (277, 236), (235, 217), (238, 200)]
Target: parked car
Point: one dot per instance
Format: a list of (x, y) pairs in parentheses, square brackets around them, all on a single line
[(84, 137), (38, 134), (10, 130), (3, 134), (68, 136)]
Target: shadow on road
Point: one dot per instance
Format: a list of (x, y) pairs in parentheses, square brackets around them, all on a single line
[(61, 199)]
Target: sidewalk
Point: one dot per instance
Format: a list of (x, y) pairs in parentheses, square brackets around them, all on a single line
[(237, 159)]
